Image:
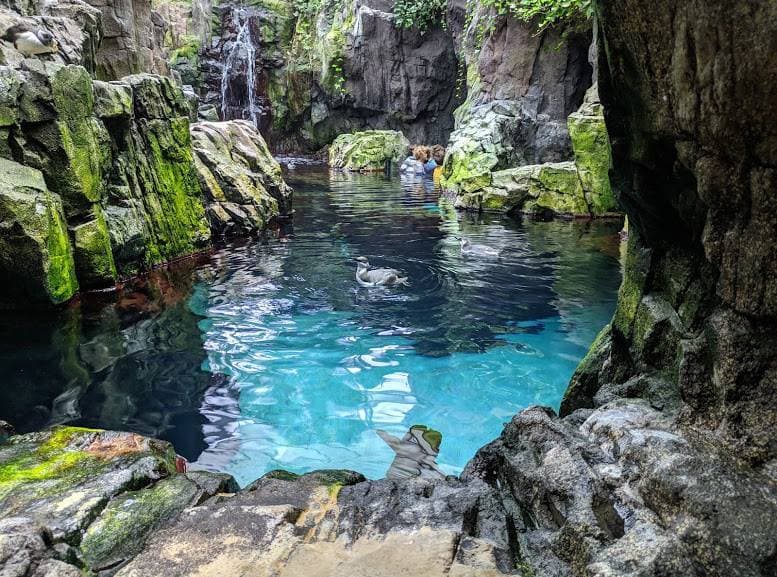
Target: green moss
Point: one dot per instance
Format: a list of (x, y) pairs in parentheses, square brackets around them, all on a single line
[(173, 199), (635, 271), (367, 151), (468, 168), (557, 188), (78, 177), (93, 253), (281, 475), (126, 522), (52, 460), (591, 144), (36, 258)]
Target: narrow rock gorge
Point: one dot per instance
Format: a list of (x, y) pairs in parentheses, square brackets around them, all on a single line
[(661, 459)]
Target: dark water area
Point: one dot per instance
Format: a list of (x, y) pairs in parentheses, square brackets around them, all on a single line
[(267, 354)]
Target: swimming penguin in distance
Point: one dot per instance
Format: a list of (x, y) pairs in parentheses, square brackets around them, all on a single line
[(377, 276), (31, 41), (469, 249)]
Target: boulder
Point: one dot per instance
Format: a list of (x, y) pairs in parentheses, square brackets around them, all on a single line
[(242, 181), (552, 188), (370, 151), (36, 256)]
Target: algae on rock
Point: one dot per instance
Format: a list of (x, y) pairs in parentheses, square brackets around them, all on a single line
[(370, 151), (36, 257), (593, 158), (242, 181)]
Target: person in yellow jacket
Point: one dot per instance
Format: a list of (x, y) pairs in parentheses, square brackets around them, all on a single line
[(438, 155)]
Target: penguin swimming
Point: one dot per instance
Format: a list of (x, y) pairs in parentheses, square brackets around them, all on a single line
[(31, 42), (377, 276), (469, 249)]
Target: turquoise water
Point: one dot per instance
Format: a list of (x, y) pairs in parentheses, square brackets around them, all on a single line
[(315, 363), (267, 354)]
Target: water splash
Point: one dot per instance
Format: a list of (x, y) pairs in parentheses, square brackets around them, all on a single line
[(243, 42)]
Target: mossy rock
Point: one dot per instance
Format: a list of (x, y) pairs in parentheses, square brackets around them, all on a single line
[(369, 151), (123, 526), (36, 257), (93, 254), (112, 99), (64, 476), (242, 181), (593, 158), (556, 188), (169, 188), (84, 141), (535, 189)]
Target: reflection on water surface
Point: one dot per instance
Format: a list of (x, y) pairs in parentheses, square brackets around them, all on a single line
[(268, 354)]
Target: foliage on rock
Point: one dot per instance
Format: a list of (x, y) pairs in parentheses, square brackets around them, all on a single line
[(420, 14)]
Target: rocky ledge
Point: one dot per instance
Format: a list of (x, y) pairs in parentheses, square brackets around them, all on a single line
[(619, 490)]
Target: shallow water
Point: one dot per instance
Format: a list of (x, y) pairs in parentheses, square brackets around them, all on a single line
[(269, 355)]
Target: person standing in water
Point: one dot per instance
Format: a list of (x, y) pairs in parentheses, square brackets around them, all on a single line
[(430, 165), (438, 155), (413, 165)]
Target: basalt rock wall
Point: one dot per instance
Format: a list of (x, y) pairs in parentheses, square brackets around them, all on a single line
[(347, 66), (694, 149)]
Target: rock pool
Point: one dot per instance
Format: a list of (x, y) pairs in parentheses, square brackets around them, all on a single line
[(268, 354)]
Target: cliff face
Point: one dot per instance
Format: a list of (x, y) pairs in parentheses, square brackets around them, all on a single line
[(344, 66), (694, 148), (98, 179), (334, 67)]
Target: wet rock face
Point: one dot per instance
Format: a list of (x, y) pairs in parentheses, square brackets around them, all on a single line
[(36, 258), (694, 151), (346, 67), (116, 157), (131, 39), (397, 79), (521, 87)]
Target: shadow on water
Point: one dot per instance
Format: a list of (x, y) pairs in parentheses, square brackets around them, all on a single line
[(267, 354), (129, 360)]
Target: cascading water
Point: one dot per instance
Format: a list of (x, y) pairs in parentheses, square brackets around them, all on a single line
[(243, 44)]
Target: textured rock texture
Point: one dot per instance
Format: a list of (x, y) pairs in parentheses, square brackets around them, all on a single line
[(371, 151), (242, 181), (74, 24), (132, 39), (520, 125), (341, 67), (36, 258), (521, 87), (116, 157), (79, 501)]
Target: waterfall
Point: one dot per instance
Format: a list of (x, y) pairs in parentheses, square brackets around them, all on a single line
[(242, 42)]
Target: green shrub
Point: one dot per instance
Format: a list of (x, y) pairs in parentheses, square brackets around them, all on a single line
[(545, 12), (419, 14)]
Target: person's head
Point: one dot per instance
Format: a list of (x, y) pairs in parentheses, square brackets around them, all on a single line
[(438, 153), (419, 153)]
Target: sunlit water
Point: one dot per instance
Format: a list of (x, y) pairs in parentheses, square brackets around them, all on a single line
[(269, 355)]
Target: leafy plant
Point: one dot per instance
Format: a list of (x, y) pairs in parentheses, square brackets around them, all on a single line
[(545, 12), (421, 14)]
